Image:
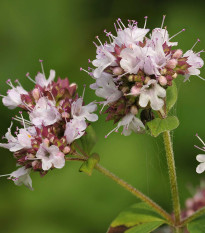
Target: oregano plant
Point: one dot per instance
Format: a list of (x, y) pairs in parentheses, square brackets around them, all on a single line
[(134, 73)]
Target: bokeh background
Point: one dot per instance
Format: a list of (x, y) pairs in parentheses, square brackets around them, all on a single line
[(61, 33)]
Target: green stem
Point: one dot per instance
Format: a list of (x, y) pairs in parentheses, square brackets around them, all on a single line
[(135, 192), (172, 176), (197, 214)]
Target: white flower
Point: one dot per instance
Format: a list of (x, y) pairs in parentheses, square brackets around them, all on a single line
[(44, 113), (21, 176), (201, 167), (151, 93), (201, 157), (13, 98), (132, 59), (106, 88), (42, 81), (81, 112), (50, 156), (23, 140), (161, 35), (103, 59), (75, 129), (130, 36), (130, 123), (195, 61)]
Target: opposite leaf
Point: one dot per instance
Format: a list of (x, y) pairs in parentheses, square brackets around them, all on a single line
[(197, 226), (171, 96), (89, 164), (89, 140), (158, 125), (138, 218)]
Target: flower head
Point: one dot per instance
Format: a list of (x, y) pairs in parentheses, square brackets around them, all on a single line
[(56, 117), (134, 69)]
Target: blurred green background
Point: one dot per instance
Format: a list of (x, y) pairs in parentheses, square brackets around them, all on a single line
[(61, 33)]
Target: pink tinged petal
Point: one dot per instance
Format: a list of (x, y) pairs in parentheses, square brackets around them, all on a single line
[(200, 158), (200, 168), (52, 76), (92, 117), (143, 100), (59, 160), (21, 176)]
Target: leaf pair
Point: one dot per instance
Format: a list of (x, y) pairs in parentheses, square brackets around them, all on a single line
[(139, 218)]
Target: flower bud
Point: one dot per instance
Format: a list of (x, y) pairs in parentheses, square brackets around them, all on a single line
[(46, 142), (131, 78), (172, 63), (164, 71), (162, 80), (178, 53), (174, 76), (135, 91), (65, 115), (134, 110), (66, 150), (117, 71), (36, 94), (147, 78)]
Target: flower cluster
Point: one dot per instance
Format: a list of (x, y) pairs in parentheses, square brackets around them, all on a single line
[(194, 203), (57, 117), (132, 72)]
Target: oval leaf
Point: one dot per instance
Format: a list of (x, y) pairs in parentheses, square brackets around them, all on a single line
[(171, 96), (138, 218), (89, 164), (158, 125), (197, 226)]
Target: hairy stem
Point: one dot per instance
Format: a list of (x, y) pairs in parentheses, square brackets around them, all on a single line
[(135, 192), (197, 214), (172, 176)]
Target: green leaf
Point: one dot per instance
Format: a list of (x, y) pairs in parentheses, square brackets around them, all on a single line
[(138, 218), (158, 125), (197, 226), (171, 96), (89, 140), (88, 166), (145, 228)]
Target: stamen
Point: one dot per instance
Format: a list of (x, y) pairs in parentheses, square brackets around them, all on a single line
[(198, 40), (83, 91), (177, 33), (5, 175), (199, 148), (41, 61), (97, 37), (200, 77), (22, 119), (17, 81), (145, 23), (119, 25), (164, 16), (115, 27), (81, 69), (8, 82), (28, 76), (116, 128), (121, 22)]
